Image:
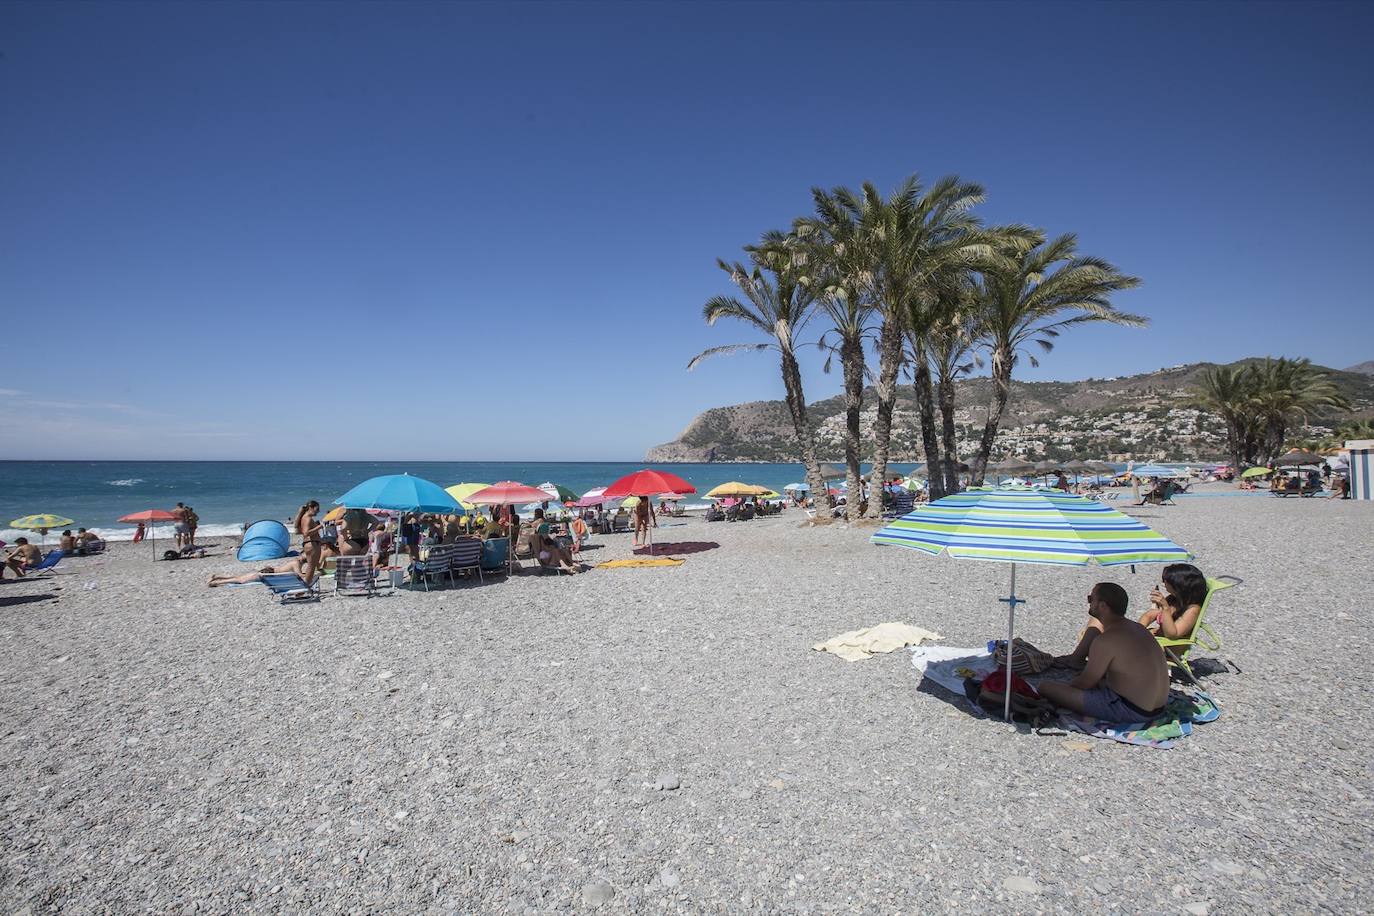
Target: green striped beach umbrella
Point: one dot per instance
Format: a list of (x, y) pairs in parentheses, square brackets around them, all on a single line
[(1028, 525)]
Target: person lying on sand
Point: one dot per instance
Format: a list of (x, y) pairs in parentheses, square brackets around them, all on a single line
[(1125, 678), (289, 565)]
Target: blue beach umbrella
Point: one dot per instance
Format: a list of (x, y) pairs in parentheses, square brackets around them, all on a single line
[(1028, 525), (401, 493)]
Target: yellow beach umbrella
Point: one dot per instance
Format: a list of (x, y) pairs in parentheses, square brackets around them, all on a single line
[(1257, 472), (771, 494), (35, 522), (735, 488), (461, 491), (40, 523), (629, 502)]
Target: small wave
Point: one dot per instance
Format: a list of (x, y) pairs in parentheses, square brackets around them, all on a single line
[(126, 482)]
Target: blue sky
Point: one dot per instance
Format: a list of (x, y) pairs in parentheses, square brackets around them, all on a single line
[(227, 225)]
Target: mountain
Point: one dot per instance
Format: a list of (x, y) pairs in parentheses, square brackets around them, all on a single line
[(1145, 417), (1364, 368)]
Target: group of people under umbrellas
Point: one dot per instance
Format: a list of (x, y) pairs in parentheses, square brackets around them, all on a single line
[(428, 514)]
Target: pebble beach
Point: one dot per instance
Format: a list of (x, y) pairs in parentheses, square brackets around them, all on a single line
[(665, 739)]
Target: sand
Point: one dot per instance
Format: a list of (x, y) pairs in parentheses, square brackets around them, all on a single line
[(642, 739)]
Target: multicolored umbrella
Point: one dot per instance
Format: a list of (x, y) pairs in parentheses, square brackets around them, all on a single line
[(593, 497), (38, 522), (41, 523), (1028, 525), (557, 492)]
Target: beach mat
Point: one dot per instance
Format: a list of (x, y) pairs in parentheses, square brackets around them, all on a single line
[(951, 667), (857, 645), (639, 563)]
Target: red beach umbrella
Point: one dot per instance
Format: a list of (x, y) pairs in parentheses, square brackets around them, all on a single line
[(151, 517), (647, 483)]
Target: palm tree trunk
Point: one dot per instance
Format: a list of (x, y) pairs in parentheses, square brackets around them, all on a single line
[(806, 436), (1234, 439), (852, 359), (1001, 391), (925, 400), (889, 364), (949, 436)]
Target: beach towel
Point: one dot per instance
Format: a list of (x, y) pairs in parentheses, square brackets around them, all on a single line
[(885, 637), (952, 667), (1181, 712), (639, 562)]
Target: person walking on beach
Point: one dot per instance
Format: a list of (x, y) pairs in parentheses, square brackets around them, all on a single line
[(644, 518), (192, 523), (139, 532), (308, 527)]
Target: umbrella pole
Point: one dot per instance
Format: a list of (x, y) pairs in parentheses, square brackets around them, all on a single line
[(1012, 601)]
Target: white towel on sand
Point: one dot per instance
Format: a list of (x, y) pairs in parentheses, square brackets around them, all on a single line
[(866, 643)]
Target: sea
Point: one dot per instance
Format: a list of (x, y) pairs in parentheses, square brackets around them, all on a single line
[(228, 494)]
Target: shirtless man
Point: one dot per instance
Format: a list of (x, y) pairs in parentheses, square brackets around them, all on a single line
[(1124, 677), (22, 558), (289, 565)]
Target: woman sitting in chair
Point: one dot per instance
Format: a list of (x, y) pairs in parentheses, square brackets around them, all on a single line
[(1174, 611)]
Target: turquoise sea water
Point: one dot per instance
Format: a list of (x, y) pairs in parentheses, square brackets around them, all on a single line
[(226, 494)]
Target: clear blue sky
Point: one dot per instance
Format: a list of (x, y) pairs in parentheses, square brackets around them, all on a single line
[(223, 225)]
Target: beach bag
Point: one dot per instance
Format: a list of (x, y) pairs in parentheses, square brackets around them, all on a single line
[(1026, 704), (1028, 660)]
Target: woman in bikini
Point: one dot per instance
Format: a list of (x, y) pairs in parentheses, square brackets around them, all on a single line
[(308, 527), (1174, 611)]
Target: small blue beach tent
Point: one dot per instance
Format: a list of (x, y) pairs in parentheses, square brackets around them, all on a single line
[(264, 540)]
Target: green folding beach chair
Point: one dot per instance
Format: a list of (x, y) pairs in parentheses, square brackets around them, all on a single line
[(1176, 650)]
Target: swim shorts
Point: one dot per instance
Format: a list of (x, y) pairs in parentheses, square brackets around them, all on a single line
[(1105, 704)]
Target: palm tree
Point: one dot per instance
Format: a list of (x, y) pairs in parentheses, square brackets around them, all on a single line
[(1288, 390), (1228, 391), (895, 249), (951, 344), (837, 268), (1034, 301), (779, 309)]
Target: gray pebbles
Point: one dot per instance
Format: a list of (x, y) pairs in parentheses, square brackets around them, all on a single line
[(643, 739)]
